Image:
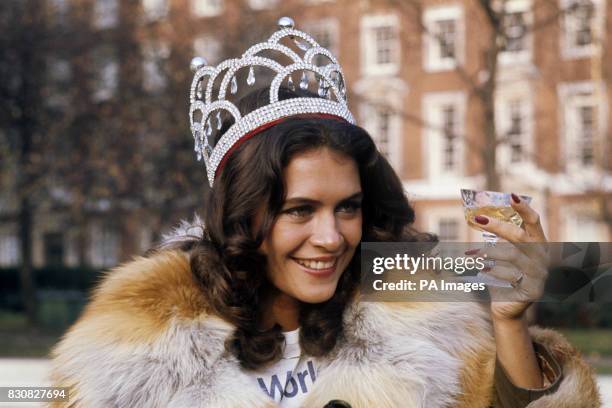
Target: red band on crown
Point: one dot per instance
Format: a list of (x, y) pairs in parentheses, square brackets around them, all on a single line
[(269, 125)]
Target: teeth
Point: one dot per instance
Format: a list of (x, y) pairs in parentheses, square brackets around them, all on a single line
[(316, 264)]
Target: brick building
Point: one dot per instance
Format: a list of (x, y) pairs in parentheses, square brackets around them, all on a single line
[(413, 70)]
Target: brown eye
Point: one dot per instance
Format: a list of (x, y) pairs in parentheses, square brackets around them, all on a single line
[(350, 207), (299, 212)]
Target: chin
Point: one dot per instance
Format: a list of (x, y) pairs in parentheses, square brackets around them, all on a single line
[(317, 295)]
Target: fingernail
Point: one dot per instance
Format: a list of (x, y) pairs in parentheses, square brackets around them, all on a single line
[(486, 269), (472, 251), (515, 198), (481, 219)]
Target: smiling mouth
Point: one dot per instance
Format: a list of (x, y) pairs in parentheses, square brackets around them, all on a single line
[(317, 265)]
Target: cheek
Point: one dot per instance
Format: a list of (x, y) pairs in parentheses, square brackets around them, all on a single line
[(284, 239)]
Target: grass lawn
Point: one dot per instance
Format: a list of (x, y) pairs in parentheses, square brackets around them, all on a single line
[(17, 340), (595, 345)]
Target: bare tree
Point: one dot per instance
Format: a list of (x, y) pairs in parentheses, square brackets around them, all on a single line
[(127, 156)]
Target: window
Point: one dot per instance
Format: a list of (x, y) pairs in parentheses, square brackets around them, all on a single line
[(208, 47), (514, 125), (582, 27), (106, 13), (515, 28), (583, 17), (59, 70), (447, 37), (325, 32), (106, 73), (10, 253), (383, 119), (443, 39), (515, 132), (54, 248), (583, 124), (443, 131), (155, 9), (384, 36), (449, 120), (206, 8), (262, 4), (516, 22), (155, 54), (385, 127), (448, 223), (59, 75), (104, 246), (586, 133), (448, 229), (380, 42)]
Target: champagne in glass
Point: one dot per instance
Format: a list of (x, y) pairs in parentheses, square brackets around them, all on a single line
[(494, 205), (506, 214)]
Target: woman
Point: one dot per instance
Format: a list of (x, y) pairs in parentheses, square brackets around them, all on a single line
[(259, 305)]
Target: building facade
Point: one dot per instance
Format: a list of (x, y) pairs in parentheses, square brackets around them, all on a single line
[(415, 72)]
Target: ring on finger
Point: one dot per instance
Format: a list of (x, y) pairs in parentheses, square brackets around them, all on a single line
[(515, 284)]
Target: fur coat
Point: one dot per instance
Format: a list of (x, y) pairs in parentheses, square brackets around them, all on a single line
[(147, 340)]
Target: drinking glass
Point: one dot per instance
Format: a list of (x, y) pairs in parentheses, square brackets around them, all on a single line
[(492, 204)]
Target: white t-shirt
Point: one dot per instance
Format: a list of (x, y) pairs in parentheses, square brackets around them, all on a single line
[(290, 379)]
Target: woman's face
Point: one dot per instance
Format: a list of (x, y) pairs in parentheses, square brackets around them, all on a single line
[(319, 227)]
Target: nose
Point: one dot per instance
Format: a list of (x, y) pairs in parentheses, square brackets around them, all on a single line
[(326, 234)]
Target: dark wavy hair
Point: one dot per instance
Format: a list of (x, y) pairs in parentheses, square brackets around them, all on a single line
[(227, 262)]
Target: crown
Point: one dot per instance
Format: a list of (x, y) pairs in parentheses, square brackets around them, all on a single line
[(287, 53)]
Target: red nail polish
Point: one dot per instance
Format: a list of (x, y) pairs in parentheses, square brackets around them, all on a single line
[(515, 198), (481, 219), (472, 251)]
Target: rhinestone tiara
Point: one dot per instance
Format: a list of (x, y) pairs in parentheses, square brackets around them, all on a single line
[(206, 111)]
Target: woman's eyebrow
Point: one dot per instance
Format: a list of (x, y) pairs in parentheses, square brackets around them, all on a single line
[(305, 200)]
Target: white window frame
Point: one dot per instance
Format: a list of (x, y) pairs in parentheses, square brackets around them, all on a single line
[(329, 25), (432, 62), (105, 14), (433, 132), (106, 82), (207, 46), (571, 96), (504, 98), (569, 51), (525, 55), (59, 76), (262, 4), (10, 249), (368, 112), (154, 54), (104, 246), (369, 24), (155, 9), (436, 213), (206, 8), (451, 221)]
